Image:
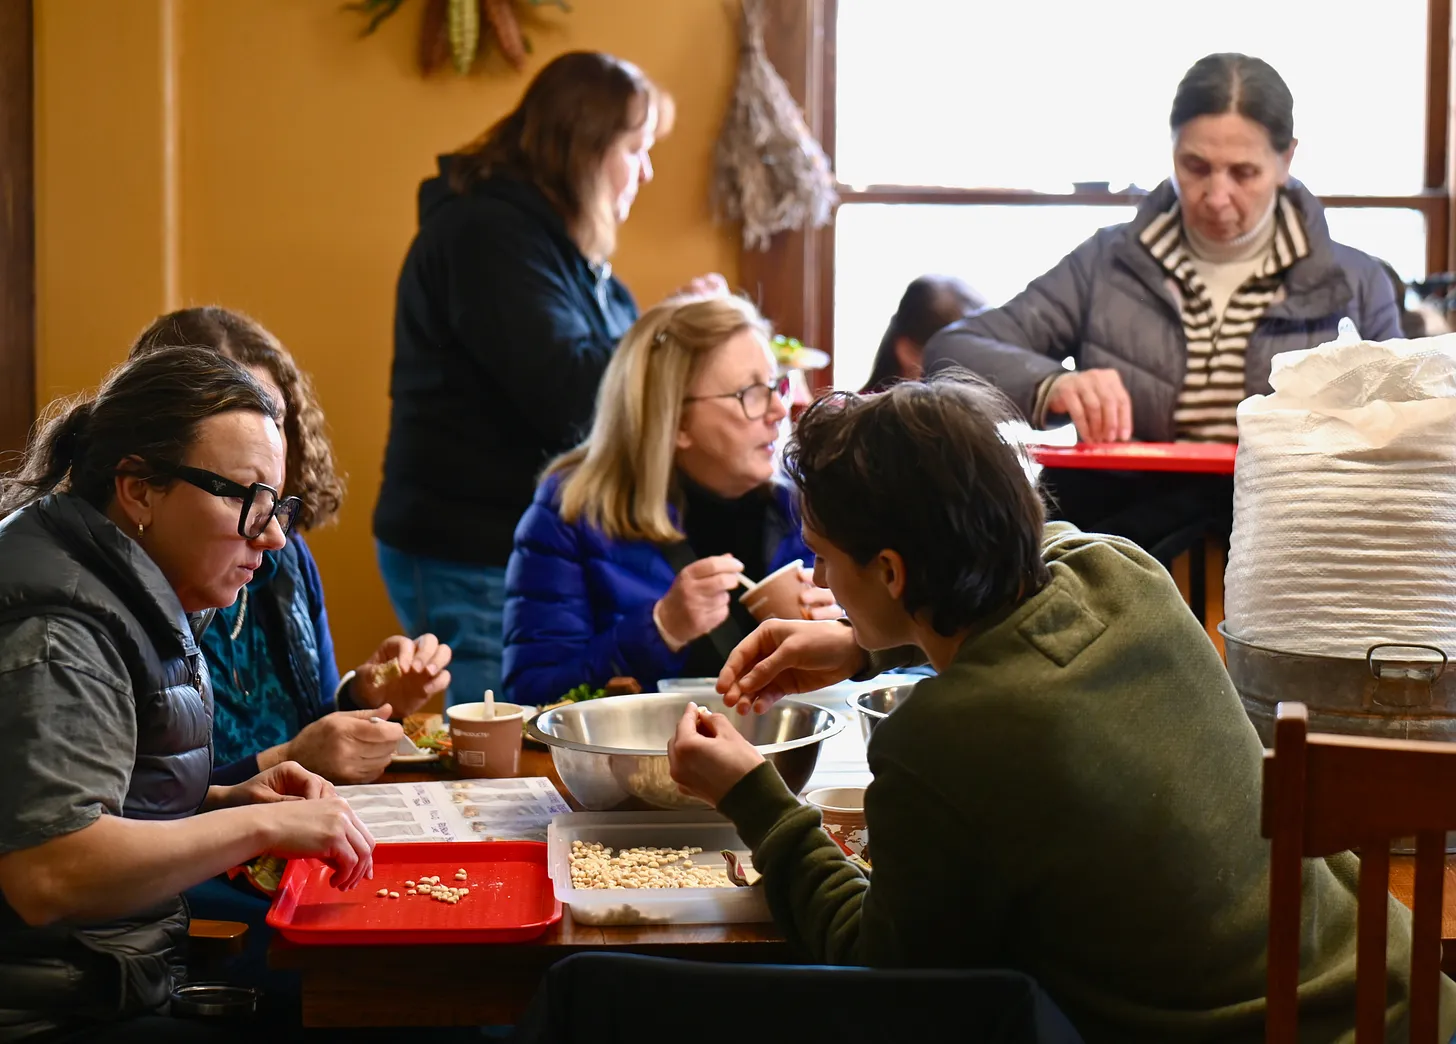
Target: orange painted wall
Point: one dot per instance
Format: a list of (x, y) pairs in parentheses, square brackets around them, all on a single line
[(298, 148)]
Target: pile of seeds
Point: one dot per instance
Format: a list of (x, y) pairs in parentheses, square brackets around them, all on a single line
[(594, 866), (431, 886)]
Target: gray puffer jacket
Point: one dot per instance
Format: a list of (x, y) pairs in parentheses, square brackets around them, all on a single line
[(1108, 304)]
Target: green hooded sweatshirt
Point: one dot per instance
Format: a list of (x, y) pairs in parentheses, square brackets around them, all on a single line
[(1077, 796)]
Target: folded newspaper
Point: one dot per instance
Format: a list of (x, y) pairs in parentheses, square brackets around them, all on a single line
[(457, 810)]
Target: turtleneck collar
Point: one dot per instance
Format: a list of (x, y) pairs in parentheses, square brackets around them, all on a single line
[(1253, 243)]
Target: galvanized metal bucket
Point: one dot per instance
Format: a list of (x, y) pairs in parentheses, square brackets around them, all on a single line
[(1398, 691)]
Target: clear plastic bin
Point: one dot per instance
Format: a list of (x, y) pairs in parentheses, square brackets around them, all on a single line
[(617, 830)]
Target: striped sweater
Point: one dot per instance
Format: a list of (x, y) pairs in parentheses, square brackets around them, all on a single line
[(1213, 385)]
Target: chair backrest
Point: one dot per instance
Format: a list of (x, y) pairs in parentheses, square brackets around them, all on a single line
[(1324, 794), (591, 998)]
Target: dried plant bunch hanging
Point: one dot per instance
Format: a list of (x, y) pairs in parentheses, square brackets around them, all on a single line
[(769, 171)]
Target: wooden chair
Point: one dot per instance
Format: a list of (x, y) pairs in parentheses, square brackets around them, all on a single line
[(1324, 794), (212, 943)]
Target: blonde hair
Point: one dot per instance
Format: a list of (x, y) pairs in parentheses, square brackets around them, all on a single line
[(620, 479)]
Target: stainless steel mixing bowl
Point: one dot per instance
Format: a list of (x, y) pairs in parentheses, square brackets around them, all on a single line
[(611, 753), (875, 706)]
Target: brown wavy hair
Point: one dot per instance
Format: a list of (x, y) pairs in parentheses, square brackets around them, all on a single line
[(311, 475), (558, 136)]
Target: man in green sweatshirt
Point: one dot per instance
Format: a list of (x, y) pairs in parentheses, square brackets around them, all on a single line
[(1075, 795)]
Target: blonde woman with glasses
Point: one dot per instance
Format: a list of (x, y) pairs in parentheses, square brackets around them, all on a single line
[(626, 562)]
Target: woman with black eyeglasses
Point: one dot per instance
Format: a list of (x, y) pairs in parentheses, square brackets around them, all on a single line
[(134, 515), (625, 563), (278, 691)]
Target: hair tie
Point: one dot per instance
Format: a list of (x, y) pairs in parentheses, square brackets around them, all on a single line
[(73, 429)]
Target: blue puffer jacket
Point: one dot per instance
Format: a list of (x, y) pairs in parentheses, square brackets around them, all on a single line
[(579, 604)]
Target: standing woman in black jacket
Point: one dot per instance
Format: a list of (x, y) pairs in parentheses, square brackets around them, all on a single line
[(506, 315)]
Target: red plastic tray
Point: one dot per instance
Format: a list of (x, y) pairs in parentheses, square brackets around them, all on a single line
[(510, 900), (1204, 458)]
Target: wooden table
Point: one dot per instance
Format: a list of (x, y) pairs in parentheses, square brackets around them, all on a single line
[(1403, 887), (489, 985)]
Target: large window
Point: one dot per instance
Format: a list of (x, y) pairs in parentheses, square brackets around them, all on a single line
[(960, 127)]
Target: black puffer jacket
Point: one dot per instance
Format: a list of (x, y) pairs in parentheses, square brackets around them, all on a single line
[(502, 332), (61, 558)]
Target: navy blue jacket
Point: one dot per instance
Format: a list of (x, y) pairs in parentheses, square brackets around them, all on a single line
[(502, 331), (579, 604)]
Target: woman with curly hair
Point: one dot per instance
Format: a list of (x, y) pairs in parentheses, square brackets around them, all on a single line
[(278, 694)]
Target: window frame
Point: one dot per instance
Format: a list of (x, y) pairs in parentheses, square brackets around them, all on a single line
[(793, 280)]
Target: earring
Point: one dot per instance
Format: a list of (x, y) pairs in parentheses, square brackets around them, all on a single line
[(141, 529)]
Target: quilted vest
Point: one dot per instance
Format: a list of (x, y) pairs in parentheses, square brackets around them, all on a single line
[(60, 556)]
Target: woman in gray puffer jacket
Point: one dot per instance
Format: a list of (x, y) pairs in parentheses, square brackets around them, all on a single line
[(1173, 318)]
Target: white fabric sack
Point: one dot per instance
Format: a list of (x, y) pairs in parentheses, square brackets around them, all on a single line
[(1345, 501)]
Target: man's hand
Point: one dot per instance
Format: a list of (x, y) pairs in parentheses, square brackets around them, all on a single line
[(707, 756), (783, 657), (1096, 401)]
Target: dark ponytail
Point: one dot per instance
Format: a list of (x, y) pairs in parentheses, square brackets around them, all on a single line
[(143, 418), (53, 446)]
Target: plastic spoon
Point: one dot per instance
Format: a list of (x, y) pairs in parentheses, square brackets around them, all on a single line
[(489, 703)]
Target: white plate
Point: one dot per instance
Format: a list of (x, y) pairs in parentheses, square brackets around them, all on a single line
[(406, 753), (807, 359)]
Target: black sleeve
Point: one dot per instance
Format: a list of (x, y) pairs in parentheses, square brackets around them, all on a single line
[(512, 304)]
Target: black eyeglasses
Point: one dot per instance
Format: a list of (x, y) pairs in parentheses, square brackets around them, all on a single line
[(261, 504), (754, 399)]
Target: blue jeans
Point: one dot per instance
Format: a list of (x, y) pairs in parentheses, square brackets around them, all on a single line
[(458, 603)]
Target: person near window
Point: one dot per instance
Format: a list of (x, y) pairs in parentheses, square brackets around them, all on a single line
[(132, 516), (1172, 319), (1420, 321), (626, 562), (929, 305), (1076, 794), (505, 317)]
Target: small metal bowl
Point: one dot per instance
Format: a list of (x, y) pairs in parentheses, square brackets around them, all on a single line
[(611, 753), (875, 706), (214, 1001)]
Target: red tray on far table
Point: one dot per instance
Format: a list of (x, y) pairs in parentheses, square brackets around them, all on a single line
[(1202, 458), (510, 900)]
